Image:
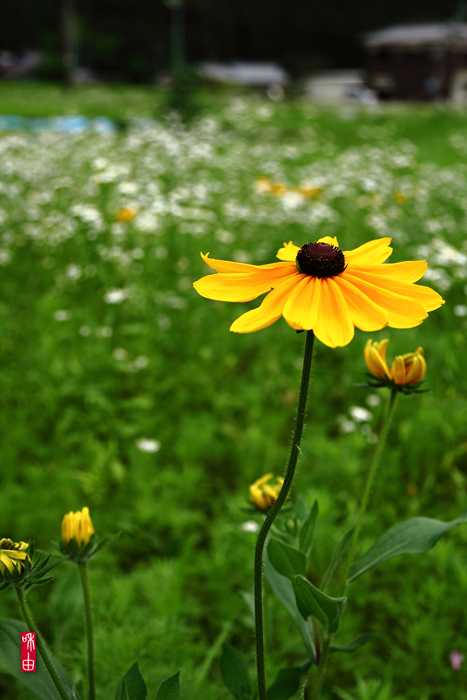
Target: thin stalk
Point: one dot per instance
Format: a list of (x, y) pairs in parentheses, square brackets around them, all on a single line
[(271, 516), (84, 576), (32, 627), (391, 407)]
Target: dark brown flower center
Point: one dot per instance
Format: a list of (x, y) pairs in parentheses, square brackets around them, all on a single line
[(320, 260)]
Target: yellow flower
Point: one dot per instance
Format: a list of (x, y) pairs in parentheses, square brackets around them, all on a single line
[(125, 214), (264, 494), (13, 555), (264, 184), (406, 369), (400, 197), (321, 288), (77, 526), (310, 191)]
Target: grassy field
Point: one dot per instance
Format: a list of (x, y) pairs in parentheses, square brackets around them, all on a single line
[(123, 390)]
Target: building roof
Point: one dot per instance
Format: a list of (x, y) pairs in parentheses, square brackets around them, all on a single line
[(436, 35)]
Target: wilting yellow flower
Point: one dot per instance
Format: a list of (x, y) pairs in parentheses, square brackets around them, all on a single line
[(263, 494), (406, 369), (310, 191), (125, 214), (321, 288), (13, 555), (264, 184), (400, 197), (77, 526)]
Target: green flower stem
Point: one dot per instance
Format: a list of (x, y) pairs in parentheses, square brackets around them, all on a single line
[(84, 576), (31, 625), (391, 407), (274, 511)]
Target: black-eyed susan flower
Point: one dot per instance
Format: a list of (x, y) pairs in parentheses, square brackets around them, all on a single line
[(13, 556), (263, 493), (321, 288), (406, 371), (78, 527), (310, 191)]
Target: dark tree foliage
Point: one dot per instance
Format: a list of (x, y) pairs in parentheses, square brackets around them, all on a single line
[(129, 39)]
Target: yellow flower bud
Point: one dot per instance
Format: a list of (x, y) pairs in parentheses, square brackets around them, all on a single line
[(125, 214), (77, 526), (13, 555), (405, 369), (264, 494)]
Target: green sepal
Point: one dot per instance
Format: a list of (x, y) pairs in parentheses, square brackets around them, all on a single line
[(287, 560), (170, 688), (234, 673), (373, 382), (30, 573), (312, 601), (83, 554), (413, 536), (131, 686), (287, 682), (354, 644), (307, 530)]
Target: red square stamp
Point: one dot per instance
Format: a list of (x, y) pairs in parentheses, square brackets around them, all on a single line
[(28, 651)]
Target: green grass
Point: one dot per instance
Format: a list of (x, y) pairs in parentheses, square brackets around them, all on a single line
[(82, 379)]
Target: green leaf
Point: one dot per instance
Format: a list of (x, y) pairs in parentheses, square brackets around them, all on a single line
[(287, 560), (170, 688), (410, 537), (287, 682), (354, 644), (235, 673), (337, 556), (312, 601), (307, 530), (131, 685), (39, 683), (282, 589)]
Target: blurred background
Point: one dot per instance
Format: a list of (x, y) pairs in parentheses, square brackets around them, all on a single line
[(133, 136)]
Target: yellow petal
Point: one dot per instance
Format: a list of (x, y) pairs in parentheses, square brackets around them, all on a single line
[(270, 309), (302, 307), (334, 326), (417, 370), (428, 298), (365, 314), (234, 267), (398, 370), (329, 240), (375, 361), (402, 311), (288, 252), (370, 253), (243, 286), (400, 272)]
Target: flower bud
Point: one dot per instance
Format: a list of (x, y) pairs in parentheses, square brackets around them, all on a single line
[(406, 370), (264, 494), (12, 558), (77, 526)]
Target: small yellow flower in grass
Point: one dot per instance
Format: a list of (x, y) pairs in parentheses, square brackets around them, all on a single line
[(321, 288), (12, 556), (125, 214), (77, 526), (263, 494), (400, 197), (406, 370), (310, 191), (264, 184)]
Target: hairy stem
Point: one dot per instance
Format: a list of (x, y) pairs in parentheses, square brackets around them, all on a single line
[(84, 576), (32, 627), (274, 511)]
